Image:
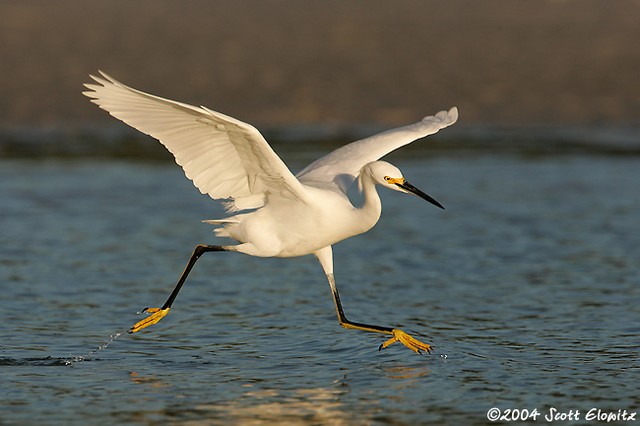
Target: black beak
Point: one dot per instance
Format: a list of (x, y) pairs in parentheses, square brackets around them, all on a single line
[(412, 189)]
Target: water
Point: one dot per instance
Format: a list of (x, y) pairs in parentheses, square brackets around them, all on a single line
[(527, 286)]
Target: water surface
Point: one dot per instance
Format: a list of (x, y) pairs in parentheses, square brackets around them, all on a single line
[(527, 286)]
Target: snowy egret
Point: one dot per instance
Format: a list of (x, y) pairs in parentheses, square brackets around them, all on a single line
[(288, 215)]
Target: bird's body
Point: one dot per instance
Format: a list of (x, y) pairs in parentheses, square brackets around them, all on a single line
[(275, 214), (275, 232), (294, 227)]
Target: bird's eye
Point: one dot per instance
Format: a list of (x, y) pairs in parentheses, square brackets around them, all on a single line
[(387, 178)]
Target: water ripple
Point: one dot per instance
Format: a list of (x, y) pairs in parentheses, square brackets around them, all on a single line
[(526, 286)]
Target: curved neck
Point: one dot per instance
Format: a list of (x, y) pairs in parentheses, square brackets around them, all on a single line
[(371, 209)]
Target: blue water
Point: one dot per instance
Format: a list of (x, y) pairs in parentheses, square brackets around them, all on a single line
[(527, 287)]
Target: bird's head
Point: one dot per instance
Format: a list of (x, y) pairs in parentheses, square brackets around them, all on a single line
[(388, 175)]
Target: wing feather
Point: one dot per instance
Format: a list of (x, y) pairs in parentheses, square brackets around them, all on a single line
[(340, 168), (224, 157)]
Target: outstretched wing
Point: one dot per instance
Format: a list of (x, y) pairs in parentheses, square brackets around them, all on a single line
[(224, 157), (341, 167)]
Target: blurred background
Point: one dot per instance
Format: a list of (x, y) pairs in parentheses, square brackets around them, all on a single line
[(329, 66)]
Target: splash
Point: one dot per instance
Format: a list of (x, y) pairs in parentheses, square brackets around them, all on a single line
[(105, 345)]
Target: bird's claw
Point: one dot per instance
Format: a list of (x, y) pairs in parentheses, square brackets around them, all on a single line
[(411, 343), (156, 315)]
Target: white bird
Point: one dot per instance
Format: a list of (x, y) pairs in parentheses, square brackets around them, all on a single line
[(288, 215)]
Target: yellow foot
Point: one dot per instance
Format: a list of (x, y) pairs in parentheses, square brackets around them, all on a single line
[(156, 315), (402, 337)]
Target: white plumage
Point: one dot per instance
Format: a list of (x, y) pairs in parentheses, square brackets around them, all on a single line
[(287, 215)]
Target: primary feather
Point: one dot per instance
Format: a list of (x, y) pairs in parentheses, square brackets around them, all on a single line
[(224, 157), (341, 167)]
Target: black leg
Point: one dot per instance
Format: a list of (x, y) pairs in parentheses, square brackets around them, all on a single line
[(197, 252), (158, 313), (397, 334), (344, 322)]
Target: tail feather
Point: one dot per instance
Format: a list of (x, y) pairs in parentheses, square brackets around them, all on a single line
[(222, 232)]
